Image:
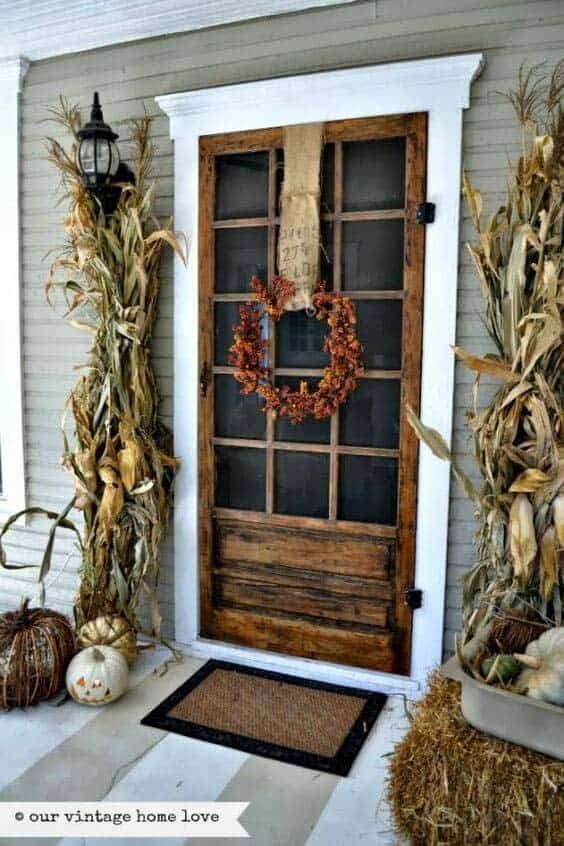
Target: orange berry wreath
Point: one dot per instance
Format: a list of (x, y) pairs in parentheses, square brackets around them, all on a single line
[(248, 352)]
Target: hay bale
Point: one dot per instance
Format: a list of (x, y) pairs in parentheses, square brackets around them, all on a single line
[(451, 784)]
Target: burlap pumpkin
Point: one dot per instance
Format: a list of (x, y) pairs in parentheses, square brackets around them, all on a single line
[(36, 645), (110, 631)]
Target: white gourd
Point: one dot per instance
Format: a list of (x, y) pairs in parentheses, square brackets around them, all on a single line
[(97, 675), (543, 677)]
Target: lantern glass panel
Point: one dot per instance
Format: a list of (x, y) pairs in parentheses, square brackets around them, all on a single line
[(103, 157), (86, 154), (114, 162)]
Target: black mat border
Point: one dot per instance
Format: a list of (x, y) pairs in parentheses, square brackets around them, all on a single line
[(340, 764)]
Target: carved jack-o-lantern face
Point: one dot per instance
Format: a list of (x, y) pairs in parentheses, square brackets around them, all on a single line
[(97, 675), (97, 692)]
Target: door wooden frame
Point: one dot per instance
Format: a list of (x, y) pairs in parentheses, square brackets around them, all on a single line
[(440, 87), (223, 623)]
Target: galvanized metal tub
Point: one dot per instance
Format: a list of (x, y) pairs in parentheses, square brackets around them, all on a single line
[(509, 716)]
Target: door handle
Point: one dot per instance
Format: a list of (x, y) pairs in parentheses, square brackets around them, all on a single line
[(204, 380)]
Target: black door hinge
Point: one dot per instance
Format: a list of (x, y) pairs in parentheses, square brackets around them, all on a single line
[(425, 213), (413, 598)]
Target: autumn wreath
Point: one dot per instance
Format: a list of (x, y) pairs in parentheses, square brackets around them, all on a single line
[(248, 352)]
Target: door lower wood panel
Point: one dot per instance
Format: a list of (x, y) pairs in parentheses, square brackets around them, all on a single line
[(307, 532), (338, 588)]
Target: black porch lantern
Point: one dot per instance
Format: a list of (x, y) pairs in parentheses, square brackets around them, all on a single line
[(98, 158)]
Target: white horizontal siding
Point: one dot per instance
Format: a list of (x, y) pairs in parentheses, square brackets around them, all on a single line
[(129, 76)]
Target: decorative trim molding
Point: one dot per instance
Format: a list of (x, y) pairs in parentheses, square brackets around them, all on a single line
[(440, 87), (12, 496), (45, 32), (227, 101)]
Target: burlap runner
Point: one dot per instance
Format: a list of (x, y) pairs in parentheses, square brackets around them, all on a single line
[(298, 245)]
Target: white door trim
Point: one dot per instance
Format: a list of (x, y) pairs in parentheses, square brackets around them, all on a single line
[(12, 490), (440, 87)]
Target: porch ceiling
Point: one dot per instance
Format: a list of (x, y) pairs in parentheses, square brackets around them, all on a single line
[(39, 29)]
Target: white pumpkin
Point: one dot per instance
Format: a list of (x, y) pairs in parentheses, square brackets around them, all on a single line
[(97, 675), (543, 677)]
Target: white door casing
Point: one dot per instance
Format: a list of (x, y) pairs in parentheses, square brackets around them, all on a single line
[(440, 87), (12, 491)]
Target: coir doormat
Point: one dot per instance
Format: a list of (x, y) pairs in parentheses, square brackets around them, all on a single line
[(312, 724)]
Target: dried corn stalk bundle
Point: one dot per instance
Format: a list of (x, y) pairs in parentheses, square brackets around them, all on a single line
[(519, 439), (121, 460)]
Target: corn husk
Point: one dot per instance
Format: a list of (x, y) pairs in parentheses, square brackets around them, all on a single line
[(518, 437), (121, 458), (558, 512), (130, 457), (522, 540), (112, 497), (549, 562)]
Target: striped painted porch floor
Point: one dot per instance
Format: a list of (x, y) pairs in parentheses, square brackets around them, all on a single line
[(78, 753)]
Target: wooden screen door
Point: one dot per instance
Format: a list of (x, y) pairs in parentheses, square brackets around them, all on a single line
[(307, 532)]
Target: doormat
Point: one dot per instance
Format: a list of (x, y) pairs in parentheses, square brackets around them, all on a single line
[(312, 724)]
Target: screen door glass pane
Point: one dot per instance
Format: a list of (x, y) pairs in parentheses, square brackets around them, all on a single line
[(301, 483), (370, 417), (240, 477), (379, 327), (368, 489), (237, 415), (373, 255), (239, 255), (374, 174), (299, 341), (311, 431), (326, 255), (226, 317), (241, 188)]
